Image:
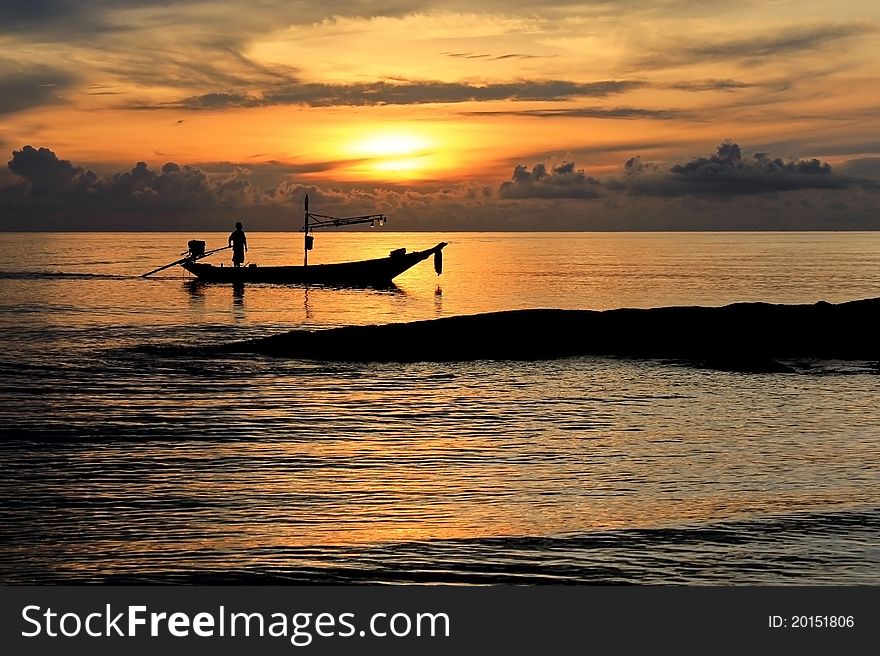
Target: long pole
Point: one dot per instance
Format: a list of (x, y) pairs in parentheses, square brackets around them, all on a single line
[(306, 233), (184, 259)]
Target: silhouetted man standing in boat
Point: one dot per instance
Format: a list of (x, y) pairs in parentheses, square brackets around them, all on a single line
[(238, 241)]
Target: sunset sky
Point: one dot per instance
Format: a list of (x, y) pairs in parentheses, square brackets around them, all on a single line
[(583, 115)]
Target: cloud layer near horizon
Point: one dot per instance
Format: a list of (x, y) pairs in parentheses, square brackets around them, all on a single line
[(726, 172), (48, 192)]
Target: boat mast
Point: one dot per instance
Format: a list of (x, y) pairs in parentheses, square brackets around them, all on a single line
[(306, 231)]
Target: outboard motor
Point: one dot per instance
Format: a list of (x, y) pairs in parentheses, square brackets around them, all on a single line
[(196, 248)]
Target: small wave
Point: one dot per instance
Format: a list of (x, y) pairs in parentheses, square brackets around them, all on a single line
[(93, 262), (54, 275), (812, 548)]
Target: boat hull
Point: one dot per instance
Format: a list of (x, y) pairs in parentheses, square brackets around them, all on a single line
[(366, 273)]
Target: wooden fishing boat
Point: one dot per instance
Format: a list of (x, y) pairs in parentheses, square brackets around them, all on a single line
[(366, 273)]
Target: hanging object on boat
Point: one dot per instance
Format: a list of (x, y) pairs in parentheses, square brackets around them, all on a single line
[(438, 261)]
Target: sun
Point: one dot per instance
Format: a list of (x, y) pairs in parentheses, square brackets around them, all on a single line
[(398, 154), (392, 144), (393, 151)]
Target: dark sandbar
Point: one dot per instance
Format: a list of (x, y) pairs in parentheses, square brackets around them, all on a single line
[(742, 336)]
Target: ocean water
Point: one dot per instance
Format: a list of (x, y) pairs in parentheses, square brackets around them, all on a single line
[(121, 462)]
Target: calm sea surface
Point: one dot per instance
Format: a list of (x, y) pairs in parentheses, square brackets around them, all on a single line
[(123, 463)]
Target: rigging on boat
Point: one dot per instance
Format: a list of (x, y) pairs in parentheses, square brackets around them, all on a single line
[(313, 221)]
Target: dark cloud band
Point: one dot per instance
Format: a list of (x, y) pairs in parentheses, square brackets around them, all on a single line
[(589, 112), (405, 93), (41, 187)]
